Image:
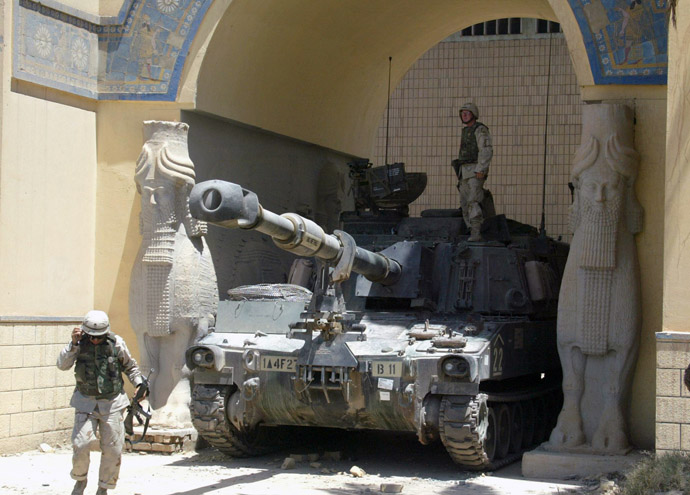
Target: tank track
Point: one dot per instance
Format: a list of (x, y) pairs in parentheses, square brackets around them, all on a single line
[(464, 425), (208, 417)]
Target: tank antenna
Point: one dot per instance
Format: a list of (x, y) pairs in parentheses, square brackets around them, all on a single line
[(388, 105), (542, 226)]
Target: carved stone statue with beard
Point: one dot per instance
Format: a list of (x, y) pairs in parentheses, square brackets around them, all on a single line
[(599, 311), (173, 293)]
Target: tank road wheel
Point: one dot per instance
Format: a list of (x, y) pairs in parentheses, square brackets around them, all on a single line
[(208, 416), (516, 427), (467, 431), (503, 432), (490, 442)]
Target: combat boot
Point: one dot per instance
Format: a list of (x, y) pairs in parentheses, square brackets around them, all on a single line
[(79, 487), (102, 491), (475, 234)]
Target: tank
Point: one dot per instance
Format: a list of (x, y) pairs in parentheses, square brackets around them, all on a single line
[(406, 327)]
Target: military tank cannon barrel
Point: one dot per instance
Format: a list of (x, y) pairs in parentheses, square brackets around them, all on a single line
[(229, 205)]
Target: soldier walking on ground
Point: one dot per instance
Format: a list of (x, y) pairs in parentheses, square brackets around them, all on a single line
[(99, 399), (472, 167)]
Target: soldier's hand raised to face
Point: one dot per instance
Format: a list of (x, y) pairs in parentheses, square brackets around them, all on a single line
[(76, 335)]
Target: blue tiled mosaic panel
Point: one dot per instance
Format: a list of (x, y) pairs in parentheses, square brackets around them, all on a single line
[(626, 40), (141, 59)]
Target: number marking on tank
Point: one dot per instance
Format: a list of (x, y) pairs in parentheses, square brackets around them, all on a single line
[(278, 363), (386, 368), (497, 357)]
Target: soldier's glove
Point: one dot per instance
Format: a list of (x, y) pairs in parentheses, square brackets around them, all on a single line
[(141, 392)]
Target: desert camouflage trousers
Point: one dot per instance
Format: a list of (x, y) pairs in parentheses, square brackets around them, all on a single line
[(471, 195), (109, 431)]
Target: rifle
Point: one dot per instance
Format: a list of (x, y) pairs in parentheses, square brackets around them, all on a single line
[(134, 410)]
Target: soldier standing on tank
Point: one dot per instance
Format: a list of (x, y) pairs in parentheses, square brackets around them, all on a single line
[(99, 399), (472, 167)]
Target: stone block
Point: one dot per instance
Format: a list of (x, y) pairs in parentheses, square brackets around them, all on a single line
[(9, 445), (6, 334), (167, 448), (62, 334), (672, 410), (668, 436), (51, 398), (11, 356), (30, 442), (21, 424), (24, 335), (684, 438), (65, 378), (541, 464), (44, 421), (32, 355), (10, 402), (64, 418), (668, 382), (5, 380), (41, 334), (33, 400), (4, 426), (64, 396), (22, 378), (59, 438), (672, 355), (45, 376), (50, 354)]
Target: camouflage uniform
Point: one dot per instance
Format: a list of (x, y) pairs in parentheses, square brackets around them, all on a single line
[(99, 402), (474, 156)]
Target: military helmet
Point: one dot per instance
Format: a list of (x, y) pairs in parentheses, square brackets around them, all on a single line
[(96, 323), (472, 108)]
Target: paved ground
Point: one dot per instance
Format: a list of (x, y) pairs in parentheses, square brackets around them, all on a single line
[(385, 459)]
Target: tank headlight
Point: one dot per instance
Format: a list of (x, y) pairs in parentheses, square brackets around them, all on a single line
[(203, 357), (456, 367)]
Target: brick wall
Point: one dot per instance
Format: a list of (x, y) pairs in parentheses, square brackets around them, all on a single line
[(507, 79), (672, 398), (34, 394)]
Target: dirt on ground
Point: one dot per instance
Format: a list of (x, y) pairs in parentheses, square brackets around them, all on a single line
[(369, 463)]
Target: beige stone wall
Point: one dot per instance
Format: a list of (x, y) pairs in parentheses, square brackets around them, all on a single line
[(507, 79), (672, 397), (34, 394)]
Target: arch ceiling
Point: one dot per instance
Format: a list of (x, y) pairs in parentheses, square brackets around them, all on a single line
[(313, 70)]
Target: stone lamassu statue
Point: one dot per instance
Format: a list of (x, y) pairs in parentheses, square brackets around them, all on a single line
[(173, 294), (599, 307)]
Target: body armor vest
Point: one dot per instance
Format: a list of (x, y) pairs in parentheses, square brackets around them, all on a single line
[(98, 370), (469, 151)]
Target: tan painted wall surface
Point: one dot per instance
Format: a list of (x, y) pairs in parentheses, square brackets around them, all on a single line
[(650, 117), (47, 207), (677, 231)]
